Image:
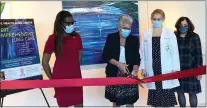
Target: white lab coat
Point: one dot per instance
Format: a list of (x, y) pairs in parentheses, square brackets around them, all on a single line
[(169, 56)]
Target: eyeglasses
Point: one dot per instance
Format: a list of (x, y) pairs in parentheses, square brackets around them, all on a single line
[(70, 23)]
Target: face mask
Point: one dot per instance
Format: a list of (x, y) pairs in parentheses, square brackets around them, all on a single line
[(183, 29), (69, 29), (125, 33), (157, 24)]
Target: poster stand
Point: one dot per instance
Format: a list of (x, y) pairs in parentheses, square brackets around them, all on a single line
[(2, 99), (1, 102), (19, 49)]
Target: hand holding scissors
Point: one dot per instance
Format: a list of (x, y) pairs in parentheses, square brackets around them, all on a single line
[(133, 75)]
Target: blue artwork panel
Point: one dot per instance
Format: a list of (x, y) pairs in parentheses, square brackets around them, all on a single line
[(95, 20)]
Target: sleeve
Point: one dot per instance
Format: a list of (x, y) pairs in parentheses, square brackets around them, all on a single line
[(106, 55), (136, 51), (80, 42), (141, 52), (175, 53), (50, 44), (198, 51)]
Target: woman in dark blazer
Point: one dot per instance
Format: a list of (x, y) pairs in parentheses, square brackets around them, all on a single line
[(121, 53), (190, 51)]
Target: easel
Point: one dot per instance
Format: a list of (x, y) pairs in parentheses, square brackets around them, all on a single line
[(2, 99), (2, 77), (1, 102)]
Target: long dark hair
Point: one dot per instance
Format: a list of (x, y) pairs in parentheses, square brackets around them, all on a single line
[(190, 25), (59, 31)]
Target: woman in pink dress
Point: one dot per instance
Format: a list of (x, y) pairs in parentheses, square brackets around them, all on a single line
[(66, 43)]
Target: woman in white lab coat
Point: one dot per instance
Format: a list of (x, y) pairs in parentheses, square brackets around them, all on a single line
[(159, 55)]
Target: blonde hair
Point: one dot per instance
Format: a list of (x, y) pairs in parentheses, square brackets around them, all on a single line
[(158, 11)]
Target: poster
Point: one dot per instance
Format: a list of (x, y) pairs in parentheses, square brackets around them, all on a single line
[(19, 53), (95, 20)]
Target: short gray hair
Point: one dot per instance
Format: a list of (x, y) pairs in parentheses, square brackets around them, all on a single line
[(124, 19)]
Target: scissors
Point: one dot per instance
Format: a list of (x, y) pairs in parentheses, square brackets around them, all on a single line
[(132, 76)]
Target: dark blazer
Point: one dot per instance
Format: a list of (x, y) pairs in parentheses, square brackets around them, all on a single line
[(112, 51), (190, 52)]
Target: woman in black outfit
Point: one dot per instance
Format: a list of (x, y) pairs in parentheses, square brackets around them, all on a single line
[(121, 51), (190, 57)]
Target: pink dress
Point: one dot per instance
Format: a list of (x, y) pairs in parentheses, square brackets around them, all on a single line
[(67, 66)]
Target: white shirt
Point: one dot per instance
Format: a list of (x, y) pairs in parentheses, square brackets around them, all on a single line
[(122, 58)]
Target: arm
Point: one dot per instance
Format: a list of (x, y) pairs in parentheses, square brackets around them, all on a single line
[(137, 55), (107, 53), (141, 51), (114, 62), (175, 53), (48, 50), (46, 66), (142, 57), (80, 53), (107, 56), (198, 51), (80, 56)]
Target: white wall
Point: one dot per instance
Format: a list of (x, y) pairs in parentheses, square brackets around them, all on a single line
[(44, 13)]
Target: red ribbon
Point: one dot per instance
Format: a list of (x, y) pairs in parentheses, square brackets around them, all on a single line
[(29, 84), (177, 75)]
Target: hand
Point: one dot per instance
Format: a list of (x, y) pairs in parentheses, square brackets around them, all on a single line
[(135, 73), (199, 77), (122, 67), (136, 67), (144, 75)]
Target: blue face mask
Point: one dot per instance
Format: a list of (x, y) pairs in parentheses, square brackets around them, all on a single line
[(157, 24), (69, 29), (183, 29), (125, 33)]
